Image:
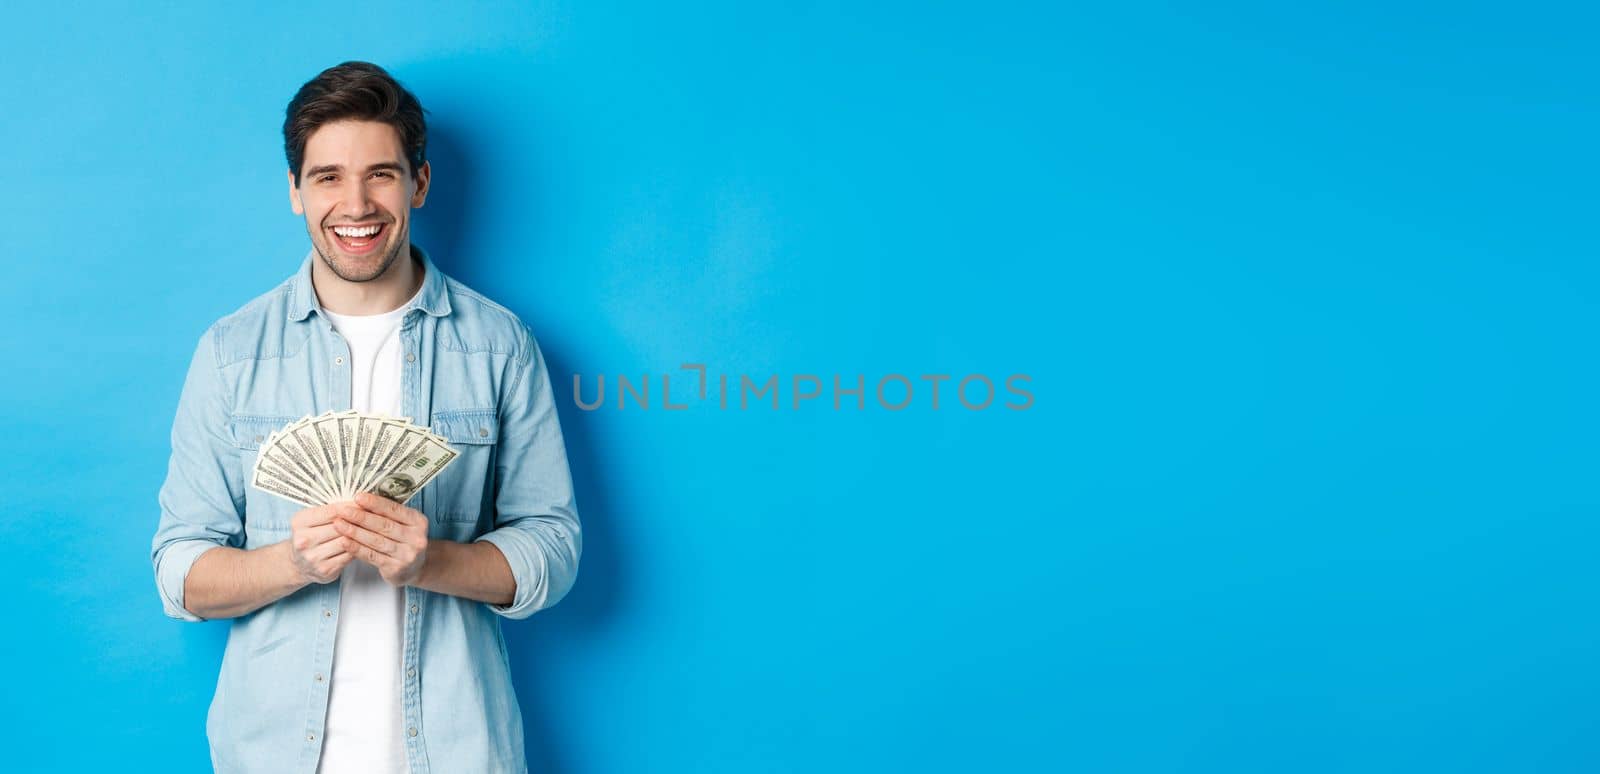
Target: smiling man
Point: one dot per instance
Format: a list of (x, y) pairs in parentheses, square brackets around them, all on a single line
[(365, 635)]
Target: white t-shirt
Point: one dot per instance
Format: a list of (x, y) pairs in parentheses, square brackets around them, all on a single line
[(364, 733)]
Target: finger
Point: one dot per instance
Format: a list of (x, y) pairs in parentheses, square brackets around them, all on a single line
[(332, 566), (369, 539), (353, 511), (312, 517), (375, 503), (330, 549), (373, 522), (365, 554), (311, 537), (386, 507)]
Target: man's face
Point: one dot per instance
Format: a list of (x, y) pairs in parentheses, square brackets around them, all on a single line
[(355, 177)]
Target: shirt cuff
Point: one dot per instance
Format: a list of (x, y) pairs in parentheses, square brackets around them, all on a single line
[(527, 562), (172, 569)]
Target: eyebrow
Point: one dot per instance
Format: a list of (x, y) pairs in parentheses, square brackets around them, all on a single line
[(390, 165)]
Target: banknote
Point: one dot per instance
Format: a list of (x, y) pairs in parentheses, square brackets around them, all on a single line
[(330, 457)]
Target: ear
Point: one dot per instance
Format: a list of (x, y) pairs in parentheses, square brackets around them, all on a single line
[(294, 196), (423, 173)]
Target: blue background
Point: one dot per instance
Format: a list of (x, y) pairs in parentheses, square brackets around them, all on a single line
[(1307, 296)]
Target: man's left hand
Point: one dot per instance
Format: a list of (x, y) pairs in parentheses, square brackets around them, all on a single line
[(389, 536)]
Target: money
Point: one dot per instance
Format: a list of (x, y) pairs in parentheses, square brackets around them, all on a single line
[(331, 457)]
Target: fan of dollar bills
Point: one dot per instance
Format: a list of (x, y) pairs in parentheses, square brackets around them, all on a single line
[(329, 458)]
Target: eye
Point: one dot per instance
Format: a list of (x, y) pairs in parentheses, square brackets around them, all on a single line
[(382, 174), (324, 178)]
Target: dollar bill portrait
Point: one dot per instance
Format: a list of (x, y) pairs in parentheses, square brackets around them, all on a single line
[(396, 486)]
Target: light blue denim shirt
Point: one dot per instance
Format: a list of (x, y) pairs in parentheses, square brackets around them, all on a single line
[(474, 373)]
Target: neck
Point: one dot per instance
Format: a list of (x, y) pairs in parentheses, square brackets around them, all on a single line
[(384, 293)]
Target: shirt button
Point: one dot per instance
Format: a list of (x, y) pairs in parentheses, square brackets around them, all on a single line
[(412, 730), (319, 677), (326, 613), (311, 737), (258, 439), (413, 608), (411, 357), (411, 672), (483, 432), (339, 360)]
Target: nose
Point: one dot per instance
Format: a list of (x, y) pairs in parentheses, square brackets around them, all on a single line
[(356, 203)]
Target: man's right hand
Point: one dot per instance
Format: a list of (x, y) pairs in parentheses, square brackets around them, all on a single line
[(318, 550)]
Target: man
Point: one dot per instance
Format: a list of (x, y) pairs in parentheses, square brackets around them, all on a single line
[(401, 666)]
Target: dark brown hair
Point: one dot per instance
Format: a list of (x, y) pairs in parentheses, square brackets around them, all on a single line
[(354, 90)]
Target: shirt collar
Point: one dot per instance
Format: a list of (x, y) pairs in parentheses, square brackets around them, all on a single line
[(433, 298)]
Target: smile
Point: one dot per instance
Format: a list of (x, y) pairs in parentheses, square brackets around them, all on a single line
[(359, 239)]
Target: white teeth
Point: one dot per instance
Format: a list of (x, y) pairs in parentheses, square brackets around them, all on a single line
[(356, 232)]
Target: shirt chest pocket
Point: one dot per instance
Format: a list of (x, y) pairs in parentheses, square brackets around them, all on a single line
[(464, 490), (266, 515)]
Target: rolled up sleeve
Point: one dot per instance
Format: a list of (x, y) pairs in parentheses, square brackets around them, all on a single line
[(203, 495), (536, 522)]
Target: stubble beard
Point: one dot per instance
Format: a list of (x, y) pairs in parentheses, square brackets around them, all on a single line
[(345, 274)]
